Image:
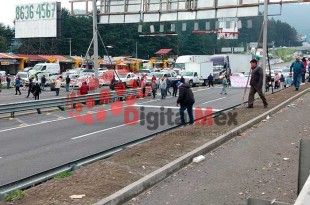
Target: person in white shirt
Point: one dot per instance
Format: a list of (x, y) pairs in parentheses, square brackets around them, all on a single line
[(57, 85)]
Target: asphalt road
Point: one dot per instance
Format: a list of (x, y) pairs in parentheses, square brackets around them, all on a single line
[(34, 143), (8, 95)]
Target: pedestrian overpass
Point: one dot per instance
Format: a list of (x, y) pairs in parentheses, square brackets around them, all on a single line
[(138, 11)]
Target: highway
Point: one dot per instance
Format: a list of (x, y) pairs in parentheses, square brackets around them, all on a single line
[(34, 143)]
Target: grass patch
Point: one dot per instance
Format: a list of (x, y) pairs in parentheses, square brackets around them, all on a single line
[(63, 175), (15, 195)]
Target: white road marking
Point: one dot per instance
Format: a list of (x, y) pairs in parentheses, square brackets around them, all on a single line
[(49, 121), (156, 106), (171, 96), (213, 100), (154, 100), (166, 107), (195, 91), (30, 125), (56, 115), (110, 128), (20, 121)]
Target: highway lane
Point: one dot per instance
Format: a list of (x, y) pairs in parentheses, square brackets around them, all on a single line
[(8, 96), (45, 141)]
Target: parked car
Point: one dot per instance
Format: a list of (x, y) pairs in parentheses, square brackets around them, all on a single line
[(172, 75), (144, 71), (24, 76), (51, 78), (73, 80), (27, 69), (88, 72), (45, 67), (126, 78)]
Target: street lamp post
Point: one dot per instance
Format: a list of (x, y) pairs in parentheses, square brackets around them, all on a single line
[(265, 41), (70, 41), (136, 49), (95, 37)]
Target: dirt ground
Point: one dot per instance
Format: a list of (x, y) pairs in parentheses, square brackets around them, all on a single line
[(104, 177)]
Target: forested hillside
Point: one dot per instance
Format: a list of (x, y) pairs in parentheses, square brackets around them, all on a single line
[(123, 38)]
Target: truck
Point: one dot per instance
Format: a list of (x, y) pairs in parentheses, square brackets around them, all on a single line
[(226, 64), (197, 73), (181, 60)]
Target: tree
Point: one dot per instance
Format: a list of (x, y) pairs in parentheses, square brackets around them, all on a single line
[(6, 35)]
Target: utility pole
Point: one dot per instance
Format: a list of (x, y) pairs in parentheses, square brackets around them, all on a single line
[(95, 38), (70, 40), (136, 49), (265, 41)]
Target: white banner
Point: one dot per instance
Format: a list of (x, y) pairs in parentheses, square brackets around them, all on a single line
[(239, 82)]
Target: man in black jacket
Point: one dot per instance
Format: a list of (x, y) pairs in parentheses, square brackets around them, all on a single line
[(43, 81), (256, 84), (210, 80), (68, 80), (186, 101), (30, 87)]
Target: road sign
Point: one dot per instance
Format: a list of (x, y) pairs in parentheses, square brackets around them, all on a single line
[(238, 49), (253, 44), (226, 49)]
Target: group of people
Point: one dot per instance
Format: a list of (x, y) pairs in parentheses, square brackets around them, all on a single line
[(279, 82), (186, 98), (299, 69), (164, 85), (33, 87)]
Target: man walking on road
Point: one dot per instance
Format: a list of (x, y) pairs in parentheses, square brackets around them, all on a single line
[(296, 67), (8, 81), (36, 90), (186, 101), (68, 83), (57, 85), (210, 80), (30, 87), (256, 84), (17, 85), (43, 81)]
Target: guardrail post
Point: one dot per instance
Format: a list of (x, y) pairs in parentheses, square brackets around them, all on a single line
[(61, 108), (12, 114), (39, 111)]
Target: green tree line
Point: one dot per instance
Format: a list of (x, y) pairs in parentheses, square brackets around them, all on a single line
[(125, 37)]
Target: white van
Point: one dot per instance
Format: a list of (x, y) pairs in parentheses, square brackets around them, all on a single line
[(45, 67)]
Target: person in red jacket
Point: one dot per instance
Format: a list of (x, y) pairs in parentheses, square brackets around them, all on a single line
[(84, 89)]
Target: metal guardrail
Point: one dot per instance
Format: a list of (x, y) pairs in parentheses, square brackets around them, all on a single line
[(61, 102)]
